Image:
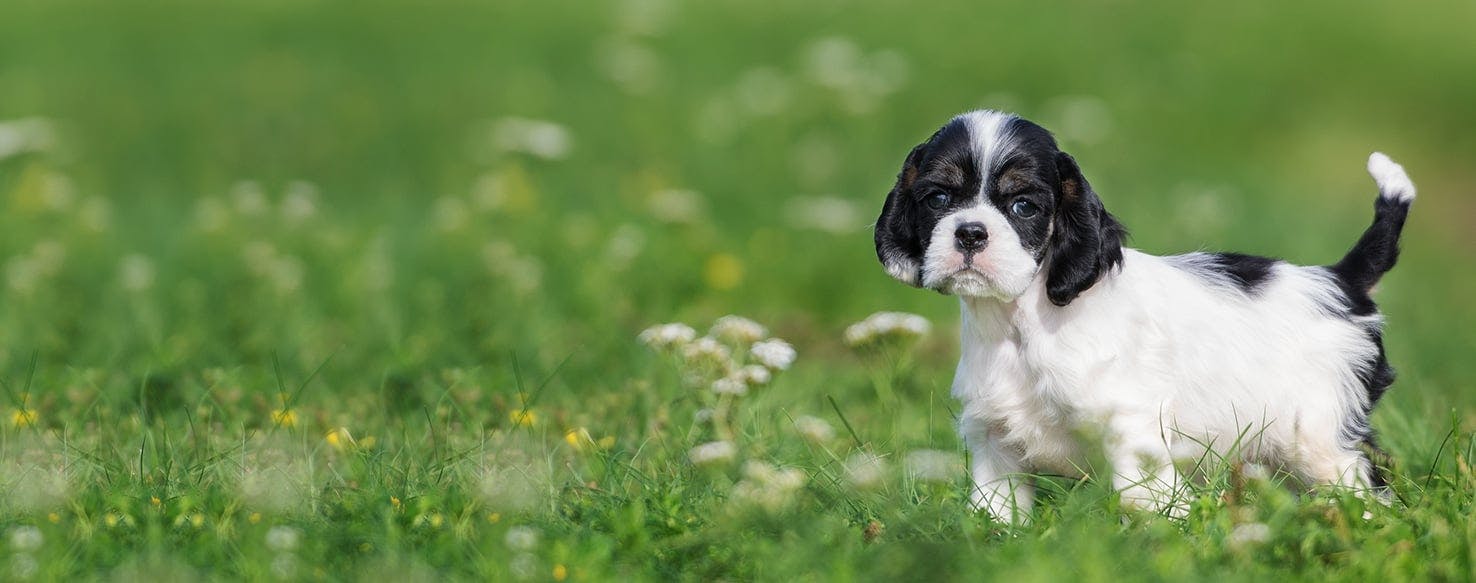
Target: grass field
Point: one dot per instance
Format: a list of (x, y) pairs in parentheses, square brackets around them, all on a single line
[(311, 290)]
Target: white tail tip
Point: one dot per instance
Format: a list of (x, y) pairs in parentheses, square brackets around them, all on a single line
[(1393, 182)]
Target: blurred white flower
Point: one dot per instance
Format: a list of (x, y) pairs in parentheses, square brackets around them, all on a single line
[(738, 329), (859, 80), (713, 452), (703, 415), (511, 487), (57, 191), (666, 336), (29, 134), (931, 465), (730, 385), (625, 245), (300, 202), (830, 214), (522, 272), (1248, 534), (886, 326), (1083, 119), (865, 469), (25, 273), (767, 487), (24, 539), (248, 198), (536, 137), (522, 538), (773, 353), (763, 91), (814, 429), (756, 374), (705, 352), (283, 538), (284, 565), (523, 566), (635, 68), (834, 62), (23, 566), (716, 120), (136, 273), (647, 17), (675, 206)]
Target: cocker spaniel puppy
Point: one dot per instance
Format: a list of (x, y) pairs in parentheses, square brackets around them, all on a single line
[(1074, 343)]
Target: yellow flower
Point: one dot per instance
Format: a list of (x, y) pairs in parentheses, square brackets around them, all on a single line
[(367, 442), (560, 573), (494, 517), (54, 518), (23, 417), (524, 417), (578, 439), (340, 439), (284, 417), (197, 520), (110, 519), (723, 271), (254, 518), (395, 502), (607, 442), (155, 501)]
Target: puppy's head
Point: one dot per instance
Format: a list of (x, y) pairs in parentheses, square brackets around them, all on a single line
[(985, 204)]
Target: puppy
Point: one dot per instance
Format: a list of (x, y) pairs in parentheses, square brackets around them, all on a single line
[(1074, 344)]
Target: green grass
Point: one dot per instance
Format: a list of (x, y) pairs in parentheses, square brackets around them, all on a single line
[(262, 224)]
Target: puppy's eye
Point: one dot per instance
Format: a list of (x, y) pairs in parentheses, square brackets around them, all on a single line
[(936, 200), (1024, 209)]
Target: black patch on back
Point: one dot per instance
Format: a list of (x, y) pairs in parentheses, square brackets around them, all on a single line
[(1247, 271)]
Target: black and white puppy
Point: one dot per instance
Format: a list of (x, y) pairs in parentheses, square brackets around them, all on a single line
[(1066, 333)]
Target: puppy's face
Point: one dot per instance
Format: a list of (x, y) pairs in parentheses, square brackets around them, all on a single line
[(988, 202)]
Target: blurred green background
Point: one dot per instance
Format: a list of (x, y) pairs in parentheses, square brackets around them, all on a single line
[(760, 134), (413, 188)]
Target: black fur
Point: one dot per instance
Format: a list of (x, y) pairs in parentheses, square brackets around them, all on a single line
[(1088, 239), (1247, 272)]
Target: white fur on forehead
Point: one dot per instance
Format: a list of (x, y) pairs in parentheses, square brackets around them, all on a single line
[(992, 135)]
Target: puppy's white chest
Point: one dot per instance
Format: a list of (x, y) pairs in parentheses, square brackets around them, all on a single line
[(1019, 409)]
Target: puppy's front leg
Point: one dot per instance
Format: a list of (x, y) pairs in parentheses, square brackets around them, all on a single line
[(1000, 487), (1142, 469)]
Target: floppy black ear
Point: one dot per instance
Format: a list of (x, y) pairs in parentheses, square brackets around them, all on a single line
[(898, 245), (1086, 241)]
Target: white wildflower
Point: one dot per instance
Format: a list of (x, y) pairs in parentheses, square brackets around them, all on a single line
[(931, 465), (634, 67), (756, 374), (24, 539), (814, 429), (774, 353), (713, 452), (763, 91), (767, 487), (1248, 534), (30, 134), (136, 272), (865, 469), (23, 566), (829, 214), (300, 202), (283, 538), (665, 336), (738, 329), (703, 415), (536, 137), (730, 385), (625, 245), (707, 353), (284, 565), (523, 566), (887, 326), (522, 538), (677, 206), (1083, 119), (248, 198)]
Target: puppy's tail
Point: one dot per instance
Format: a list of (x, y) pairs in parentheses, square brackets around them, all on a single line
[(1378, 248)]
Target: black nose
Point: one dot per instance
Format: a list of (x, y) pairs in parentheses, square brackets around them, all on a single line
[(970, 237)]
